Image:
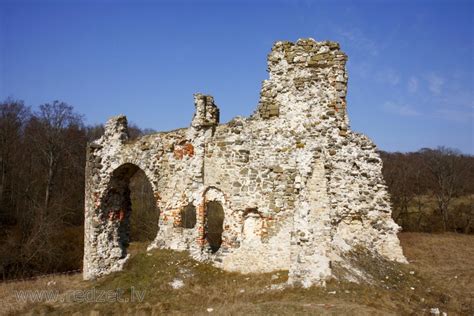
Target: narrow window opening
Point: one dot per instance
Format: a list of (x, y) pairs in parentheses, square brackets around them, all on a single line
[(188, 216)]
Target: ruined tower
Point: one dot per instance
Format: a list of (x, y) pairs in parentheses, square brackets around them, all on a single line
[(290, 188)]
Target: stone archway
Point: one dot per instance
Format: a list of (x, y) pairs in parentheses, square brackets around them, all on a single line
[(113, 235), (213, 220)]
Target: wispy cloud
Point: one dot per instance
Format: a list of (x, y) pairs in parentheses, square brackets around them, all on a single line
[(456, 98), (450, 101), (400, 109), (358, 38), (435, 83), (455, 115), (413, 84), (363, 69), (388, 76)]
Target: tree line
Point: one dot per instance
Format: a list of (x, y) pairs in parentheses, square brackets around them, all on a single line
[(42, 164), (432, 190)]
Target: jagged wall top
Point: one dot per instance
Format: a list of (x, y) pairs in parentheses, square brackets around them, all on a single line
[(307, 79), (116, 128), (315, 68)]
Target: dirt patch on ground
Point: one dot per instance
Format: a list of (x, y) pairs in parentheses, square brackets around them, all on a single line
[(448, 260)]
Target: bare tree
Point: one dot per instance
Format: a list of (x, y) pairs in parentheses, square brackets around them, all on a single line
[(54, 121), (401, 174), (49, 206), (446, 167), (13, 114)]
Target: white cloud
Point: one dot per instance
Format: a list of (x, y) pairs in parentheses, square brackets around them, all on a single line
[(400, 109), (435, 83), (362, 69), (413, 84), (389, 76), (360, 40), (449, 101)]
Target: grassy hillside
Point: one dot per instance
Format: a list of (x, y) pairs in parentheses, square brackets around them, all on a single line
[(440, 275)]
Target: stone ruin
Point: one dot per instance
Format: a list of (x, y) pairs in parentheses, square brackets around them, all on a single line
[(289, 188)]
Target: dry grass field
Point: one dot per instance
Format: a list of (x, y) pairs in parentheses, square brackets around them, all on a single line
[(440, 276)]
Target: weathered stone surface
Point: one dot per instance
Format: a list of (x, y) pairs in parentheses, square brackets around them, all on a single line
[(298, 188)]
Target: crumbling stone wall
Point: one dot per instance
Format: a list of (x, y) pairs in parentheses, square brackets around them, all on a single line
[(298, 188)]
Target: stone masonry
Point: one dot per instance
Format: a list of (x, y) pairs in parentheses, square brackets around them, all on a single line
[(297, 187)]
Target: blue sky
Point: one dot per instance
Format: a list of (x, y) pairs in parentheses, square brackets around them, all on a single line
[(410, 66)]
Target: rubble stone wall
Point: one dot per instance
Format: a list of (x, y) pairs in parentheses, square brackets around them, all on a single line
[(298, 188)]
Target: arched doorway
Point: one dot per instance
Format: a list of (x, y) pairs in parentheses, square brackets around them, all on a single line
[(130, 209), (214, 225)]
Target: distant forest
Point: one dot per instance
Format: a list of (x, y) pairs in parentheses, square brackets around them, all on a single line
[(42, 162)]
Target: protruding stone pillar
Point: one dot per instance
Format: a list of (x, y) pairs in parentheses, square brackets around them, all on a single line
[(116, 128), (207, 113), (205, 119)]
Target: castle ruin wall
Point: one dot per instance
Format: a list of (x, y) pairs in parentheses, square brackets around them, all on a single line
[(297, 187)]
